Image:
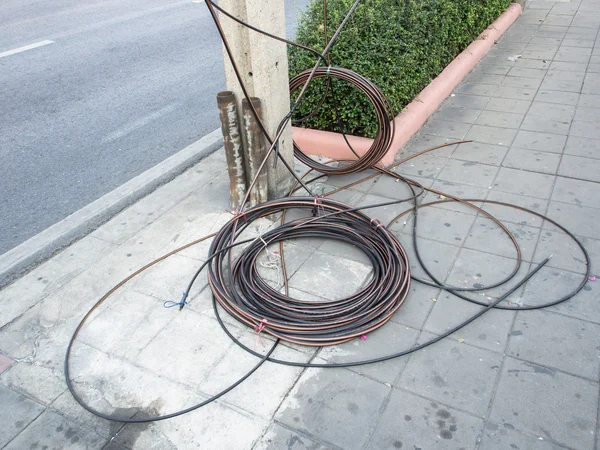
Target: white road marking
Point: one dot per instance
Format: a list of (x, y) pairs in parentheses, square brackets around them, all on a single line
[(118, 134), (25, 48)]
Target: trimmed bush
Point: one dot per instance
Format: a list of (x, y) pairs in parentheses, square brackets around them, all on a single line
[(400, 45)]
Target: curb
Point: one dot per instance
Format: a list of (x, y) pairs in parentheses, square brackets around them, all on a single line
[(416, 113), (58, 236)]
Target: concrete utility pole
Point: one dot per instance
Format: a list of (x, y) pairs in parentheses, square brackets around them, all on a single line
[(263, 65)]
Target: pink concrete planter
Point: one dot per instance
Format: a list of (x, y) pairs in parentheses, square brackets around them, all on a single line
[(408, 122)]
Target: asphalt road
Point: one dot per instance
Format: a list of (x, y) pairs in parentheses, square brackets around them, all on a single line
[(122, 85)]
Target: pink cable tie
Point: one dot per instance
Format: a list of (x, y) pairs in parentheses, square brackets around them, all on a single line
[(238, 213), (260, 326), (377, 222)]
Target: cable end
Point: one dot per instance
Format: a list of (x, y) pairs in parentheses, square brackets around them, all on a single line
[(183, 301)]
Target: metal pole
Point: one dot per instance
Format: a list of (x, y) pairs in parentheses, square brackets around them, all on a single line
[(234, 150), (255, 151)]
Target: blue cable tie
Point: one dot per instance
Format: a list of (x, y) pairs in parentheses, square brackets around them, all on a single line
[(181, 304)]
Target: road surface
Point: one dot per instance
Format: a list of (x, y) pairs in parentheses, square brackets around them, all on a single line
[(94, 93)]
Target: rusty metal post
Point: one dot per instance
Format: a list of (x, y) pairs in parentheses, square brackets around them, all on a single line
[(255, 152), (234, 150)]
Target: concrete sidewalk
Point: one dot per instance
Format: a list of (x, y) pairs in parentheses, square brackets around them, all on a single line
[(514, 380)]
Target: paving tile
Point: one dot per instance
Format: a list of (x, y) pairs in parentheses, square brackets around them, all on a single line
[(552, 110), (518, 158), (146, 211), (483, 78), (539, 64), (558, 20), (54, 432), (456, 374), (581, 220), (591, 83), (565, 406), (50, 277), (498, 436), (205, 341), (411, 422), (570, 56), (468, 172), (477, 270), (552, 28), (567, 66), (539, 4), (467, 101), (593, 68), (277, 437), (563, 81), (577, 192), (565, 8), (575, 50), (579, 21), (527, 83), (265, 398), (515, 93), (450, 227), (214, 426), (343, 180), (385, 214), (487, 236), (393, 188), (585, 129), (543, 124), (439, 257), (524, 183), (16, 413), (551, 284), (491, 135), (425, 166), (494, 68), (553, 340), (585, 43), (422, 141), (462, 191), (344, 250), (339, 406), (417, 305), (480, 152), (489, 331), (391, 338), (486, 90), (580, 167), (269, 264), (37, 381), (539, 53), (523, 72), (448, 129), (508, 214), (321, 275), (566, 253), (559, 97), (508, 105), (543, 142), (456, 114), (500, 119)]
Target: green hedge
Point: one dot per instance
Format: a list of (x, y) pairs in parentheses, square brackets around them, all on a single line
[(400, 45)]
